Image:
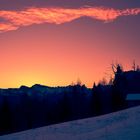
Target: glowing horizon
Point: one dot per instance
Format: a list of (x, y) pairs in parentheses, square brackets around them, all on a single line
[(55, 43)]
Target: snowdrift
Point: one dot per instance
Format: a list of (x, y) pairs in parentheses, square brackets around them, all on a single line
[(122, 125)]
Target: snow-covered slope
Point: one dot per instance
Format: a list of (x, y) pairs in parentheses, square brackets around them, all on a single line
[(123, 125)]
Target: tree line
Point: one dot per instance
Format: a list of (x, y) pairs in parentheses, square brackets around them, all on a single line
[(26, 108)]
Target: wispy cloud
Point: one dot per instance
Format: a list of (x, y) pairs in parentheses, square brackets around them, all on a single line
[(12, 20)]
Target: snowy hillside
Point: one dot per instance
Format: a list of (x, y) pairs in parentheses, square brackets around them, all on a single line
[(123, 125)]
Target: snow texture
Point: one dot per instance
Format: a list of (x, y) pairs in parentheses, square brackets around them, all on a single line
[(122, 125)]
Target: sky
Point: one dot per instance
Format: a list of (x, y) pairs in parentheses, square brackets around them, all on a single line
[(56, 42)]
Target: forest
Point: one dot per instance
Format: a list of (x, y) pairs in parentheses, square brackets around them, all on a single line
[(31, 107)]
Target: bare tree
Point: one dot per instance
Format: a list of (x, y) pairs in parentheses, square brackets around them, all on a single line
[(103, 81), (138, 68), (72, 83), (79, 82), (111, 81), (117, 68), (134, 65)]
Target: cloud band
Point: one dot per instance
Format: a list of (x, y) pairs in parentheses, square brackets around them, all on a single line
[(12, 20)]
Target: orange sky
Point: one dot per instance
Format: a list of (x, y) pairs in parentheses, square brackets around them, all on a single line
[(57, 55)]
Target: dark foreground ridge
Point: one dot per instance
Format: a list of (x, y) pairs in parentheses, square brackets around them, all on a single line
[(121, 125), (30, 107)]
